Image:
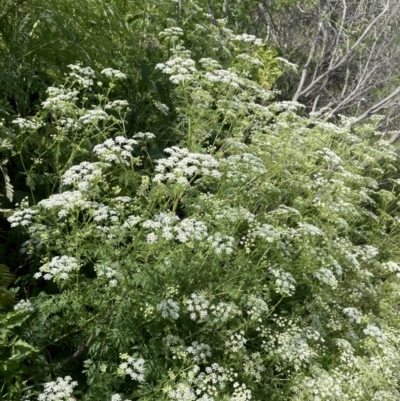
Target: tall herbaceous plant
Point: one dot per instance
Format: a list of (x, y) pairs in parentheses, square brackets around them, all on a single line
[(257, 259)]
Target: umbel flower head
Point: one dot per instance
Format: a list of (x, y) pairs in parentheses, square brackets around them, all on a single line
[(58, 268), (59, 390)]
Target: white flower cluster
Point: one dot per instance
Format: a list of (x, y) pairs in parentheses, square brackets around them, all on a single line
[(353, 314), (116, 105), (86, 71), (24, 123), (182, 392), (324, 386), (346, 353), (66, 201), (375, 332), (133, 367), (118, 150), (59, 390), (391, 267), (221, 243), (22, 217), (285, 105), (131, 221), (144, 135), (24, 305), (110, 271), (326, 276), (199, 351), (198, 306), (182, 164), (289, 347), (242, 168), (82, 75), (210, 64), (207, 386), (234, 214), (257, 308), (190, 229), (330, 156), (113, 74), (105, 213), (163, 222), (83, 175), (244, 37), (208, 382), (68, 123), (184, 231), (38, 235), (236, 341), (169, 308), (180, 69), (253, 365), (224, 77), (309, 229), (123, 199), (173, 32), (240, 392), (367, 252), (58, 268), (284, 281), (224, 311), (59, 99), (162, 107), (117, 397), (93, 116), (251, 60)]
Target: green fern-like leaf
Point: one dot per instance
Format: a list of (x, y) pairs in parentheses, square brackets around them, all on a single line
[(9, 187), (6, 278)]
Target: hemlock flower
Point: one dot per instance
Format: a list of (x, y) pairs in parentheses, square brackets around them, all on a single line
[(113, 74), (326, 276), (117, 150), (224, 77), (162, 107), (199, 351), (284, 281), (24, 305), (66, 202), (224, 311), (173, 32), (59, 267), (135, 368), (169, 308), (24, 123), (86, 71), (197, 306), (144, 135), (180, 69), (93, 116), (116, 105), (236, 341), (117, 397), (59, 99), (109, 271), (59, 390), (181, 165), (353, 314), (22, 217), (83, 175), (244, 37), (221, 243)]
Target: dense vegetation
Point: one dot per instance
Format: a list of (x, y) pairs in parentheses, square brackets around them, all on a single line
[(176, 224)]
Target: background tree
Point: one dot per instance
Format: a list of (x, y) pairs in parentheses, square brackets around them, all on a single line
[(347, 53)]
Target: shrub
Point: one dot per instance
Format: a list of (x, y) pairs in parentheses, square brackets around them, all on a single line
[(256, 260)]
